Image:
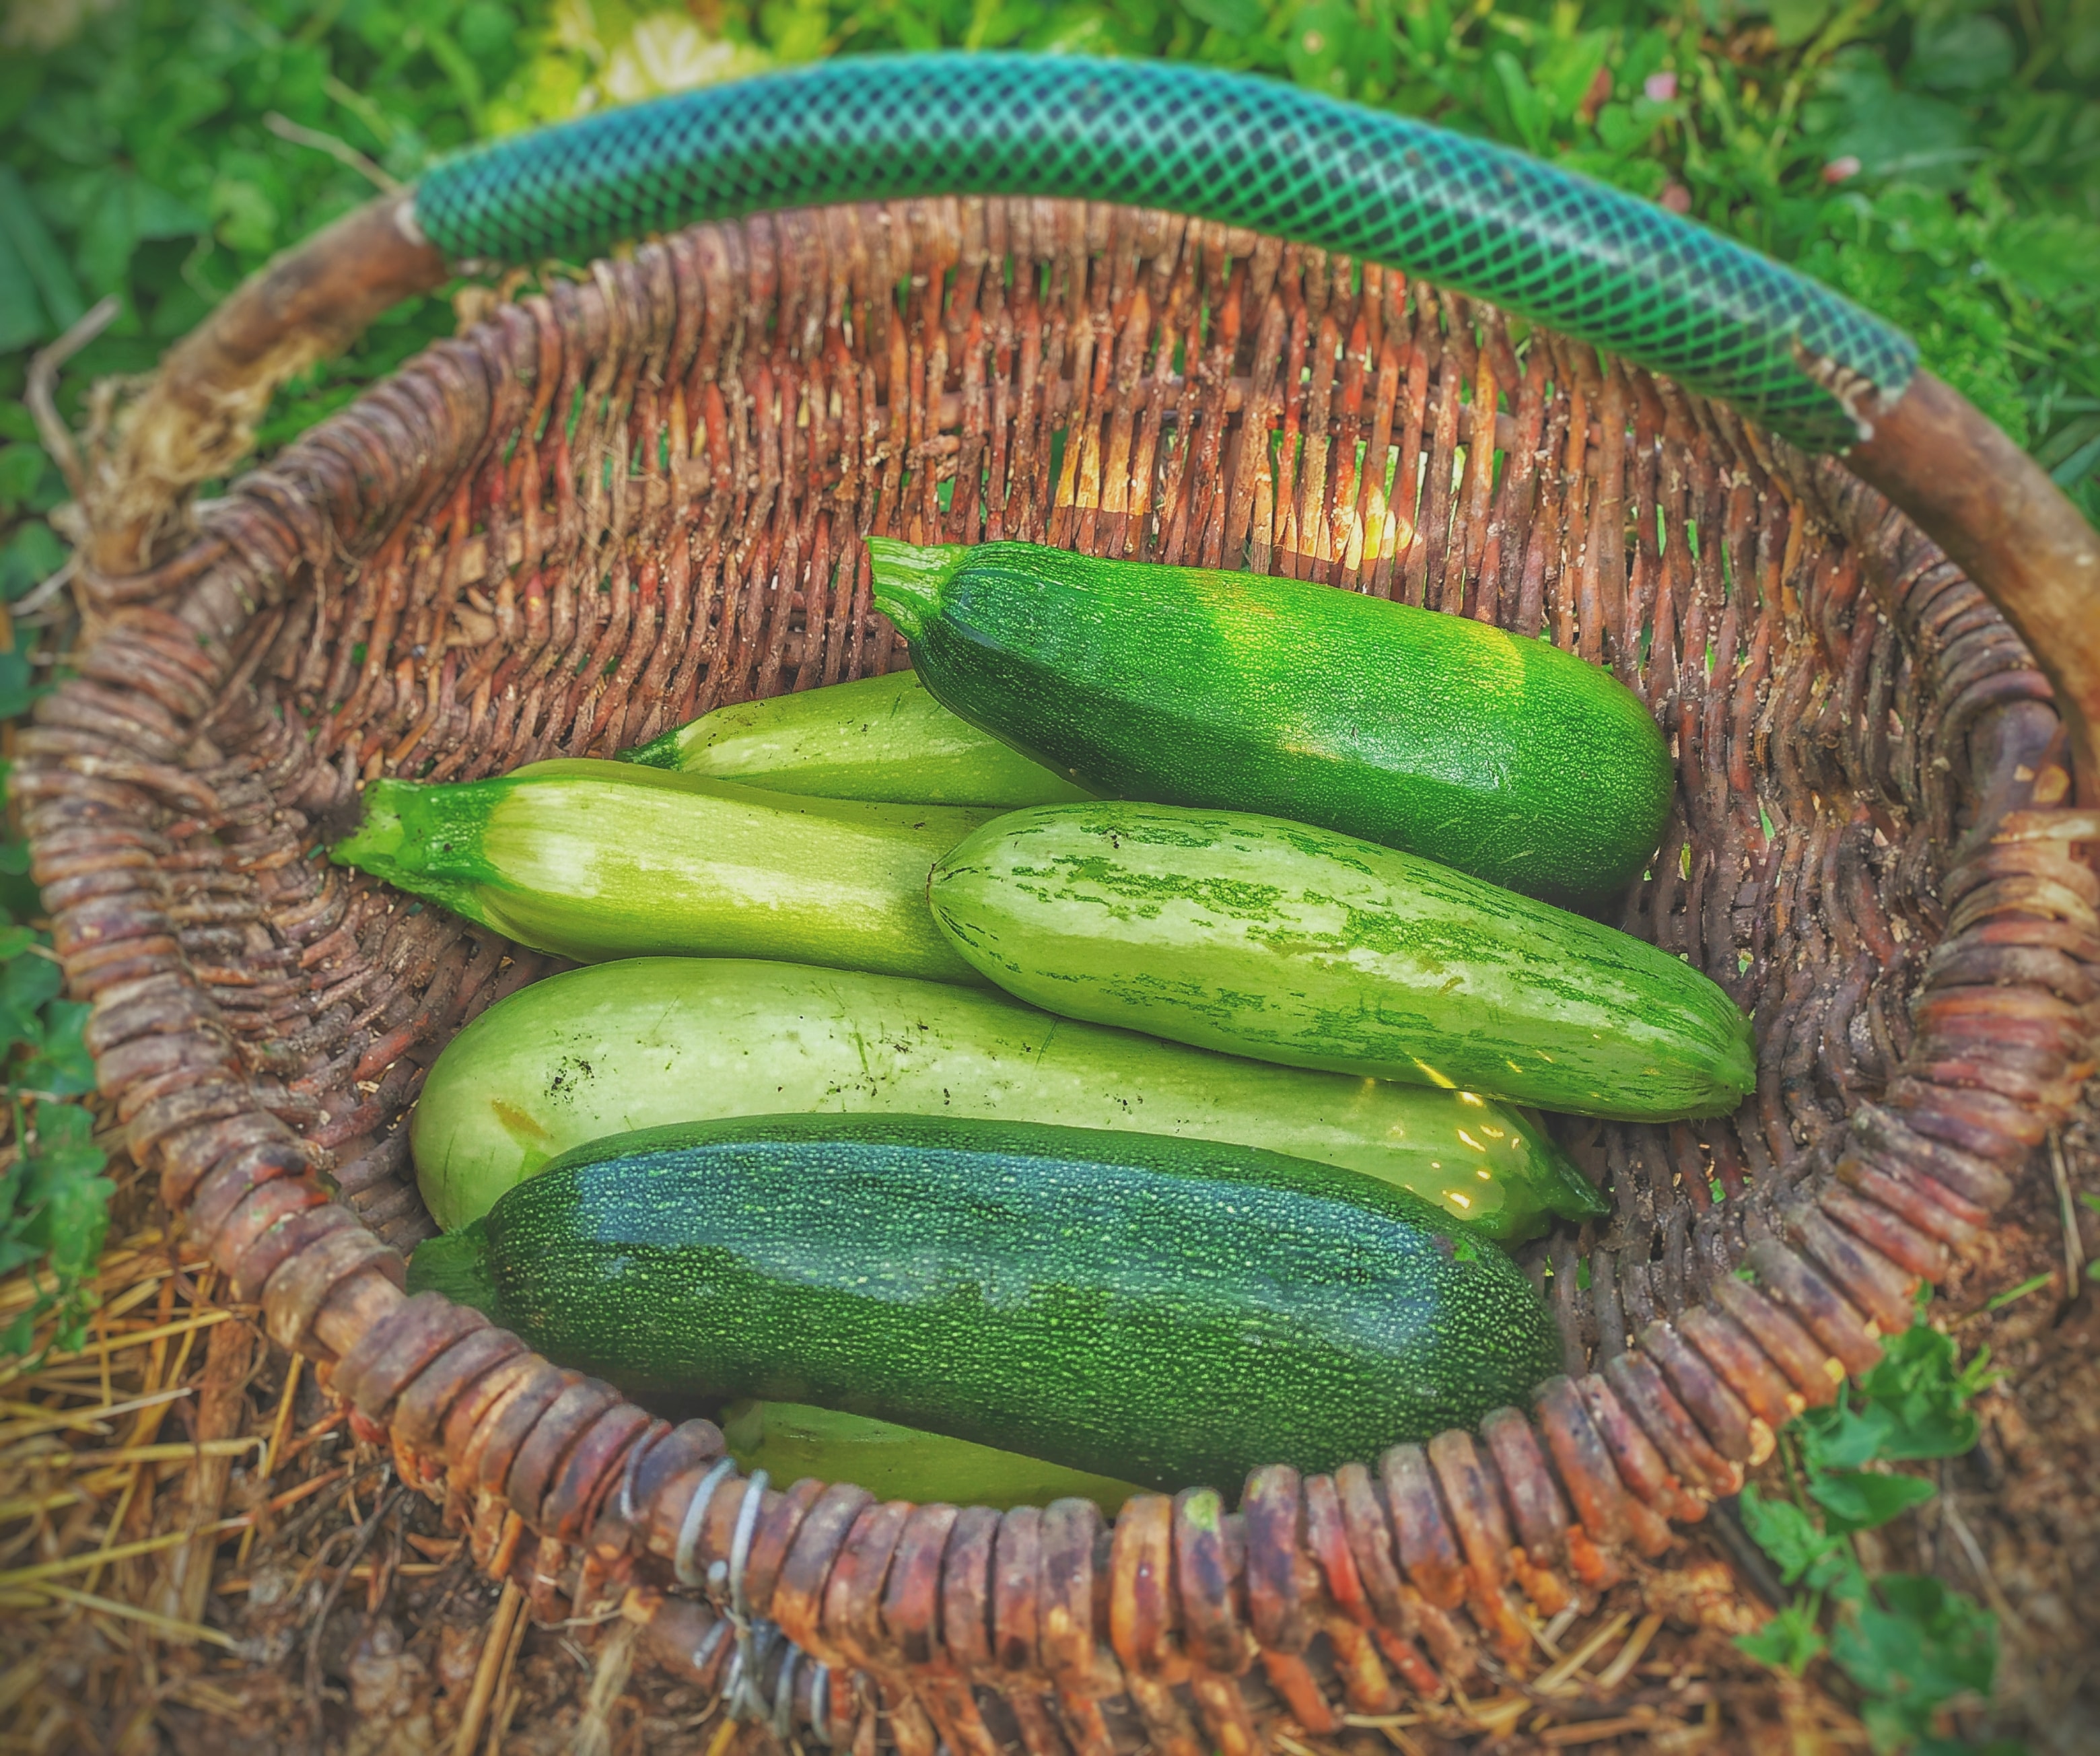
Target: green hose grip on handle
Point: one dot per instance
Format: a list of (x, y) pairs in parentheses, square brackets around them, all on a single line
[(1596, 264)]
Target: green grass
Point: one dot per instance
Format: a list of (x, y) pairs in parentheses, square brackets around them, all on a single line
[(140, 157), (1937, 160)]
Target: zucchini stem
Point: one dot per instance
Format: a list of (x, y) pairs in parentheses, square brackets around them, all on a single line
[(377, 840), (455, 1264), (665, 750), (908, 581), (425, 839)]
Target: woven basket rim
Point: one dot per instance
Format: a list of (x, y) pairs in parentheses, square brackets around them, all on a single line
[(656, 1495)]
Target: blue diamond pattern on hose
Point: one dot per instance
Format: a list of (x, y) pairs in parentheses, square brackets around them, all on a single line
[(1557, 248)]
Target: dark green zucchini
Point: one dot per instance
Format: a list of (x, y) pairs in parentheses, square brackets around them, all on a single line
[(1503, 757), (1168, 1311)]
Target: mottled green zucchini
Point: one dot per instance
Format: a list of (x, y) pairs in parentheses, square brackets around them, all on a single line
[(1261, 937), (1503, 757)]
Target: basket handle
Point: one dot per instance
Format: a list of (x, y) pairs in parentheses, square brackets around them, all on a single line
[(1557, 248), (2006, 524), (1543, 243), (197, 418)]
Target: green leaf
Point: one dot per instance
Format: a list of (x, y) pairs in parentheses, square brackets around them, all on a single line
[(2051, 256), (64, 1066), (1795, 21), (1565, 73), (1522, 111), (18, 84), (107, 235), (2080, 44), (489, 32), (1928, 1646), (1929, 1394), (1860, 1500), (1321, 45), (1913, 1404), (55, 1203), (1790, 1641), (459, 69), (1235, 18), (17, 691), (156, 214), (31, 259), (1843, 1437), (1803, 1554), (1626, 128), (1958, 53), (21, 471), (797, 28), (22, 318), (244, 216), (2072, 451), (26, 983), (1861, 114), (31, 555)]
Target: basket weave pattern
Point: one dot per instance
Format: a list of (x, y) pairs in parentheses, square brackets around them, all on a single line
[(616, 504)]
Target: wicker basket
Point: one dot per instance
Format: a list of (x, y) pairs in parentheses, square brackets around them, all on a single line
[(615, 504)]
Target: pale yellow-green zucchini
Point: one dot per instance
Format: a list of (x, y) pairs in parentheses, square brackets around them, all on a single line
[(881, 738), (597, 860), (655, 1041), (791, 1441)]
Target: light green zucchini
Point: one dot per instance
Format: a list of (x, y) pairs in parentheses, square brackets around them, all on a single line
[(597, 860), (1257, 937), (655, 1041), (881, 738), (792, 1441)]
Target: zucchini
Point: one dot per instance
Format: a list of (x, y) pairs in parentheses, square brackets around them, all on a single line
[(1170, 1313), (791, 1441), (881, 738), (658, 1041), (597, 860), (1505, 757), (1290, 944)]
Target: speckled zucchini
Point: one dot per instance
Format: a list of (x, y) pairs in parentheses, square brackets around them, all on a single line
[(880, 738), (1170, 1313), (1261, 937), (659, 1040), (1503, 757)]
